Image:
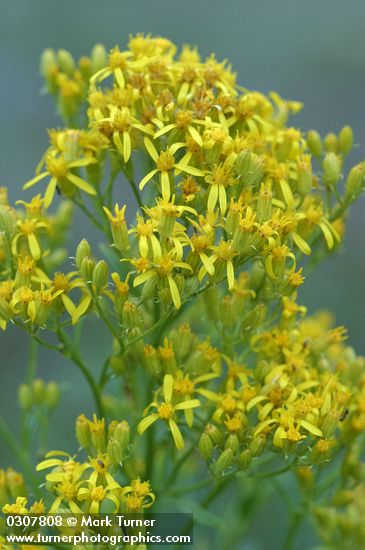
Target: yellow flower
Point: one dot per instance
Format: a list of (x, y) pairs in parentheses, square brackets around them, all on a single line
[(60, 172), (166, 411), (165, 163), (161, 270)]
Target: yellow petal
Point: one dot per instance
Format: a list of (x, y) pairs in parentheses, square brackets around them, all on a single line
[(146, 423), (176, 434), (174, 292), (81, 184), (168, 383)]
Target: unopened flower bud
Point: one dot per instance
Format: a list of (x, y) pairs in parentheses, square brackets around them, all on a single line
[(215, 434), (151, 360), (305, 176), (355, 182), (114, 451), (100, 275), (331, 169), (232, 443), (66, 62), (257, 445), (244, 460), (224, 461), (7, 220), (118, 364), (52, 396), (82, 428), (39, 391), (15, 483), (87, 269), (25, 397), (130, 315), (83, 250), (98, 58), (331, 143), (264, 203), (205, 446), (122, 434), (314, 143), (346, 139)]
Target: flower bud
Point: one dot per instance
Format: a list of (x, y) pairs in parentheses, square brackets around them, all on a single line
[(66, 62), (305, 176), (83, 250), (346, 139), (98, 58), (205, 446), (343, 497), (7, 221), (150, 360), (224, 461), (25, 397), (329, 423), (355, 181), (264, 203), (114, 451), (100, 275), (49, 69), (251, 168), (85, 68), (15, 483), (314, 143), (130, 315), (257, 445), (6, 312), (82, 428), (52, 396), (331, 169), (39, 391), (245, 459), (215, 434), (87, 269), (98, 434), (232, 443), (122, 434), (330, 143)]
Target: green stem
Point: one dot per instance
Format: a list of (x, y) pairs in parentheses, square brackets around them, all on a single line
[(191, 488), (33, 359), (75, 357)]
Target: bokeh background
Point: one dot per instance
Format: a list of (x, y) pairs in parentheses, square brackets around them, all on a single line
[(307, 50)]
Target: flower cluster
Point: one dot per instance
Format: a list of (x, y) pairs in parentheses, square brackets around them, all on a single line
[(231, 200)]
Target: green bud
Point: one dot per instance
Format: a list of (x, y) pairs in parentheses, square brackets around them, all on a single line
[(330, 143), (329, 423), (232, 443), (224, 461), (98, 58), (215, 434), (257, 445), (331, 169), (314, 143), (47, 62), (82, 428), (114, 451), (250, 167), (15, 483), (205, 446), (305, 178), (122, 434), (7, 220), (66, 62), (87, 269), (130, 315), (25, 397), (6, 312), (39, 391), (100, 275), (52, 396), (355, 181), (83, 250), (346, 139), (245, 459), (151, 360), (343, 497), (264, 203)]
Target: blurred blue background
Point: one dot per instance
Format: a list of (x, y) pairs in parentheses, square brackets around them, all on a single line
[(307, 50)]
